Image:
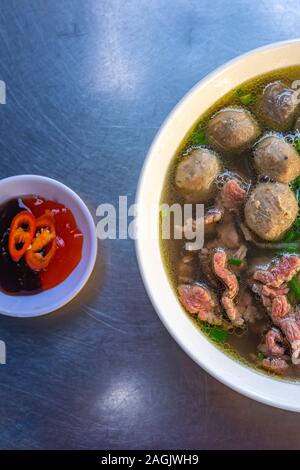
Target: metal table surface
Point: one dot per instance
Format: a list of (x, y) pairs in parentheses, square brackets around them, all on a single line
[(89, 82)]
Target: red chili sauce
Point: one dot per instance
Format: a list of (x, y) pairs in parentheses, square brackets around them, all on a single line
[(17, 277)]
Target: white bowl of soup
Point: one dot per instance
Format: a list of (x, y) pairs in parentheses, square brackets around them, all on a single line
[(231, 146)]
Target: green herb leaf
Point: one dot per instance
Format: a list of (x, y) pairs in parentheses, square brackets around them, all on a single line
[(296, 144), (240, 91), (288, 248), (297, 223), (296, 183), (245, 97), (164, 212), (260, 356), (292, 249), (291, 236), (295, 286), (248, 99), (235, 261), (199, 138), (218, 334)]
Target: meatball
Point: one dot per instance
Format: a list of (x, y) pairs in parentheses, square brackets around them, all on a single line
[(196, 174), (270, 210), (232, 130), (274, 157), (279, 105)]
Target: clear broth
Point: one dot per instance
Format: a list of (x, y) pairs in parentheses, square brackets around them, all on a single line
[(239, 345)]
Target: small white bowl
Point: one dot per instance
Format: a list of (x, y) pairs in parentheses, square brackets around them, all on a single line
[(52, 299), (282, 394)]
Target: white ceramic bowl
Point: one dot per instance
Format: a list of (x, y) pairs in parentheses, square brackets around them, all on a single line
[(245, 380), (52, 299)]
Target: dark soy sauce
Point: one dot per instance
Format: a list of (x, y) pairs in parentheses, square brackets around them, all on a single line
[(15, 278)]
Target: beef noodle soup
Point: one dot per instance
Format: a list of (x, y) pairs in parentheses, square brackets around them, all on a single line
[(242, 161)]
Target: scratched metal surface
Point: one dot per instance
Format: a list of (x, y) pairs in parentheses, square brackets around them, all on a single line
[(89, 82)]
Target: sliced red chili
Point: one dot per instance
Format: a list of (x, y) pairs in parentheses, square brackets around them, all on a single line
[(22, 231), (43, 246)]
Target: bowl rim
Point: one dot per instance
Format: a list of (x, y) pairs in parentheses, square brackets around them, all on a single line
[(256, 385), (92, 251)]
